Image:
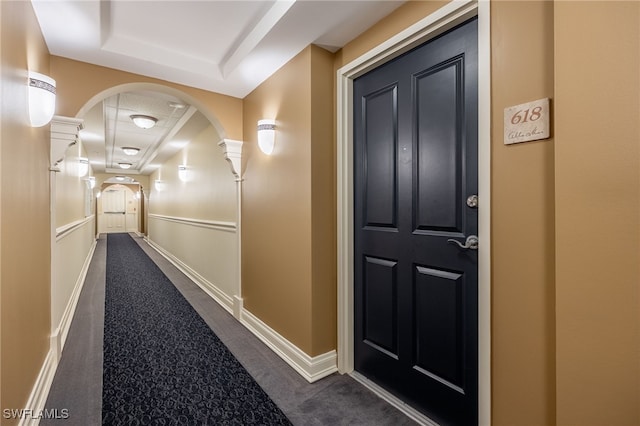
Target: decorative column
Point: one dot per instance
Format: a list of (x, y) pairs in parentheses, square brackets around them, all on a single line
[(233, 154), (64, 133)]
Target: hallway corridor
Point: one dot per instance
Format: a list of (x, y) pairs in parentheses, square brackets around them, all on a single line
[(77, 387)]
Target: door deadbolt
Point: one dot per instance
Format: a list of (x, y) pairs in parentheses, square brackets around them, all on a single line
[(472, 201)]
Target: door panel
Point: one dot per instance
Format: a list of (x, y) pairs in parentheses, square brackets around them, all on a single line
[(113, 208), (438, 301), (439, 98), (415, 163), (381, 138), (380, 305)]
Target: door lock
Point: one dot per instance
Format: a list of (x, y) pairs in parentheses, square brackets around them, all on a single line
[(472, 201), (470, 243)]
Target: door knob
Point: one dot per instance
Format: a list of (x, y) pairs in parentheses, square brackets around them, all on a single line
[(470, 243)]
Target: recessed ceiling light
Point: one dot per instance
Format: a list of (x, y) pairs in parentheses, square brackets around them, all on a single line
[(124, 165), (144, 121), (176, 105), (130, 150)]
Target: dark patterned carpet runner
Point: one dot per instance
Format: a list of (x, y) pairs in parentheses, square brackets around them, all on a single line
[(162, 364)]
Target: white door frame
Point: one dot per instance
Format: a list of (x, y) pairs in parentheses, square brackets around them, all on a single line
[(441, 20)]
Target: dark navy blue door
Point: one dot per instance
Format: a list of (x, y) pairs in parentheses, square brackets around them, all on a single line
[(415, 153)]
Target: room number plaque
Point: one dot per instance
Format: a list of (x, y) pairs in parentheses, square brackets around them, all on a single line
[(526, 122)]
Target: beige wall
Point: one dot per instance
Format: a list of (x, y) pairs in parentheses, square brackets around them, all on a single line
[(79, 82), (24, 211), (323, 203), (522, 222), (565, 211), (553, 203), (276, 205), (597, 165), (210, 190), (288, 251)]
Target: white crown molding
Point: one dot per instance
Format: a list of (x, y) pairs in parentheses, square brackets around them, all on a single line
[(64, 133), (255, 36)]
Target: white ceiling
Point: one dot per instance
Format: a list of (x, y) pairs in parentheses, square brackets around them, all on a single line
[(228, 47)]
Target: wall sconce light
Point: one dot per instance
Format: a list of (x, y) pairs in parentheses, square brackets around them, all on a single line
[(266, 135), (129, 150), (183, 173), (92, 181), (125, 165), (98, 194), (83, 166), (160, 185), (143, 121), (42, 99)]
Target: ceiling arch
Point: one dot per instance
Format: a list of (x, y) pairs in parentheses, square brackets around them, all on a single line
[(108, 128)]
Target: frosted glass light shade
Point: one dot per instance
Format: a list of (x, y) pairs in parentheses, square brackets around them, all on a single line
[(160, 185), (266, 135), (129, 150), (144, 121), (42, 98), (83, 166), (183, 173)]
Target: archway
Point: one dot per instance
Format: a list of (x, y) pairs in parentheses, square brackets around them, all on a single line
[(172, 220), (119, 206)]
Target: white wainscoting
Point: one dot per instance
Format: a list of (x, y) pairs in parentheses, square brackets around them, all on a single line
[(74, 248), (206, 251), (75, 244), (198, 248)]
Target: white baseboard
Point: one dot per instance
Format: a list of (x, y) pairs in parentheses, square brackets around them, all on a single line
[(311, 368), (409, 411), (219, 296), (40, 392), (238, 306), (59, 336)]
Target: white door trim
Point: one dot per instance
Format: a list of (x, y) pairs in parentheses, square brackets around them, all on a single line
[(429, 27)]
